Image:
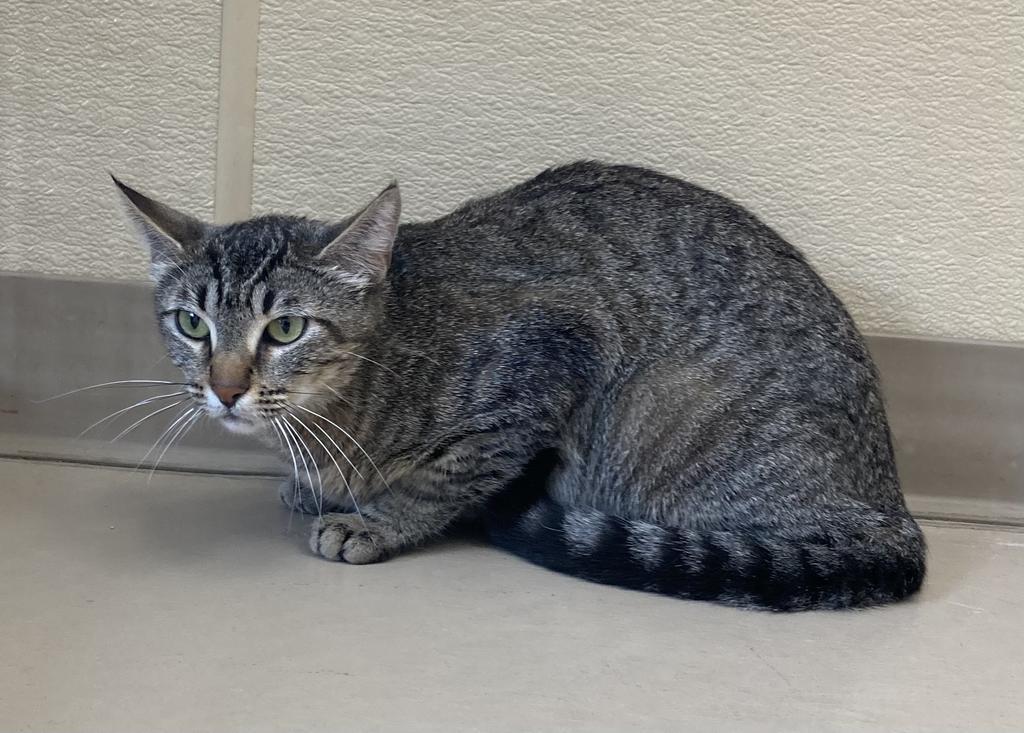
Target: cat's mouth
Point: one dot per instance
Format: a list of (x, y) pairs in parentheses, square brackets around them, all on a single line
[(237, 423), (237, 415)]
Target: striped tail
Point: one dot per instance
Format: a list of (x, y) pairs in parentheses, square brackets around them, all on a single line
[(849, 559)]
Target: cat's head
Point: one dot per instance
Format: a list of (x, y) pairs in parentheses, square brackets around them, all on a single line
[(268, 312)]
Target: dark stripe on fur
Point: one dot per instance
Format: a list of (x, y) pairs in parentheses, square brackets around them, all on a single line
[(218, 275), (837, 566), (268, 301), (268, 265)]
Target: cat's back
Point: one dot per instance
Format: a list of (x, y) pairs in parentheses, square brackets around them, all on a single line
[(589, 218), (592, 230), (643, 278)]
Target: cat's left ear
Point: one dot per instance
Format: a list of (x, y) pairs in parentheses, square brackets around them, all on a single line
[(168, 233), (363, 248)]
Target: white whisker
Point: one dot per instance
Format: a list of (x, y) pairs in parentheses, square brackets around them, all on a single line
[(139, 422), (300, 444), (338, 395), (159, 361), (288, 444), (354, 441), (126, 409), (348, 486), (183, 414), (295, 485), (185, 427), (126, 382), (333, 442), (366, 358), (420, 354)]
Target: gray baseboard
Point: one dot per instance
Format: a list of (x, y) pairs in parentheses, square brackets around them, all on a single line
[(58, 335), (956, 408), (957, 415)]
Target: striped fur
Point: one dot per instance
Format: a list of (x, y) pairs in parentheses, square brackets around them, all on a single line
[(628, 377), (854, 560)]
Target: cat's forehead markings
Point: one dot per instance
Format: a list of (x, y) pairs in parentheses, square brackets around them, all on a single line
[(267, 300), (201, 293), (216, 272), (240, 266)]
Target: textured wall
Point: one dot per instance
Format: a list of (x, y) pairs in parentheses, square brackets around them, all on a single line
[(885, 138), (124, 86)]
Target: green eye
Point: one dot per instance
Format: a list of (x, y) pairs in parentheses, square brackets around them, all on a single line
[(286, 329), (192, 325)]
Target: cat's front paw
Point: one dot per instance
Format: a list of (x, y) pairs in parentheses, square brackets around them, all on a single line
[(348, 538)]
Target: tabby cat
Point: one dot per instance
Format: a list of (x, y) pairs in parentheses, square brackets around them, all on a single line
[(617, 374)]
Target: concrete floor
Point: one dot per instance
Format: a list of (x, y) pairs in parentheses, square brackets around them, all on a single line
[(188, 604)]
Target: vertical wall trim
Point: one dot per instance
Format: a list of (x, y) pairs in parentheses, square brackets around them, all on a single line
[(236, 121)]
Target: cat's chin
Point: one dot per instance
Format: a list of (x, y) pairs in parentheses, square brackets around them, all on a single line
[(238, 425)]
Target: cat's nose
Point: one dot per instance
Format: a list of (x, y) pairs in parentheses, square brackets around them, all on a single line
[(228, 394), (229, 376)]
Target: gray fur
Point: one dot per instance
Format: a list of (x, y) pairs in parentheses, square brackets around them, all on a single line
[(628, 377), (646, 543)]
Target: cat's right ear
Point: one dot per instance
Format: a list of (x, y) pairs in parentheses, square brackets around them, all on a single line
[(169, 234)]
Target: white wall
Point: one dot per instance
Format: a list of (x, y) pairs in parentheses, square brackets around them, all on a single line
[(884, 138), (85, 88)]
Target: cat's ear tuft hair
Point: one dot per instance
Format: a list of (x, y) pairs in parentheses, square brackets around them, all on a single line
[(363, 248), (168, 233)]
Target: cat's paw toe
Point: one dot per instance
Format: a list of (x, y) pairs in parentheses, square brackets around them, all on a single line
[(347, 538), (326, 540)]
